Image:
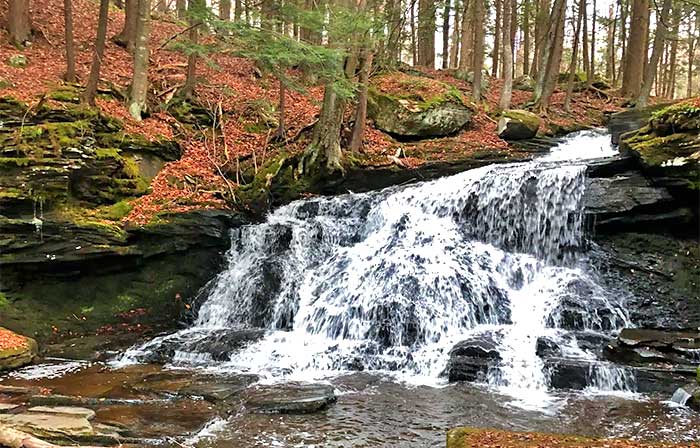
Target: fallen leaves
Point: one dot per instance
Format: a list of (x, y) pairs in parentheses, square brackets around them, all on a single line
[(10, 340)]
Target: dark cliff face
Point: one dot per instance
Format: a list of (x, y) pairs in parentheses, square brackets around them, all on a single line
[(68, 263)]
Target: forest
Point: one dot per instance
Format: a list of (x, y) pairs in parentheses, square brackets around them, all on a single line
[(350, 223)]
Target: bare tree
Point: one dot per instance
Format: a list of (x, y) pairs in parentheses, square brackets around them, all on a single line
[(70, 46), (574, 56), (478, 64), (659, 41), (19, 21), (139, 82), (507, 49), (98, 54), (550, 59), (632, 74)]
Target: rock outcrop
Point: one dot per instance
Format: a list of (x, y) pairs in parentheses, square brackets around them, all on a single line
[(630, 120), (15, 350), (518, 125), (429, 108)]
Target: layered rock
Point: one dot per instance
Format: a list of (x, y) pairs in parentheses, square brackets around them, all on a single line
[(15, 350), (426, 108)]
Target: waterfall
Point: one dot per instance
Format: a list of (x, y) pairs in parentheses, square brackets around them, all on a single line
[(391, 280)]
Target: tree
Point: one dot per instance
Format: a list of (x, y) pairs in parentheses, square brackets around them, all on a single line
[(426, 31), (446, 35), (98, 54), (358, 129), (507, 49), (540, 35), (195, 10), (181, 8), (526, 37), (478, 64), (139, 82), (127, 37), (454, 48), (467, 38), (19, 21), (590, 71), (550, 59), (659, 42), (636, 49), (70, 46), (692, 43), (574, 56), (498, 31)]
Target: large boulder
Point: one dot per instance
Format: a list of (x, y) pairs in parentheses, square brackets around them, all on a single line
[(668, 148), (524, 82), (472, 359), (413, 107), (469, 77), (518, 124), (15, 350)]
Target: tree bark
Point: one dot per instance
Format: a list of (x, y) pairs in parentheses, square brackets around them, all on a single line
[(19, 22), (446, 36), (691, 52), (358, 129), (584, 39), (465, 50), (237, 10), (478, 64), (591, 69), (500, 7), (659, 41), (551, 57), (225, 9), (127, 37), (507, 49), (281, 131), (632, 74), (574, 57), (426, 31), (324, 153), (70, 45), (194, 8), (610, 48), (624, 7), (414, 44), (139, 83), (181, 7), (526, 37), (98, 54), (672, 66), (540, 35), (454, 48)]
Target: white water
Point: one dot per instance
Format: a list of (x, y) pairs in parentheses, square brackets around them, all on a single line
[(391, 280)]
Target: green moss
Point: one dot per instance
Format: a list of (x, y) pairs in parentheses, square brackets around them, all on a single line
[(17, 161), (108, 153), (115, 212), (4, 301)]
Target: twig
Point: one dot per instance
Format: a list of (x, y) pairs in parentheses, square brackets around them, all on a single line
[(176, 35)]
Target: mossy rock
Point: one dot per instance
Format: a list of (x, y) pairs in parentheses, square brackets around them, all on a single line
[(516, 124), (469, 77), (19, 356), (17, 61), (669, 146), (525, 83), (418, 108)]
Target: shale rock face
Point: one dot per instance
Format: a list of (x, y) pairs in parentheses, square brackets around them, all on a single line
[(668, 147), (420, 108)]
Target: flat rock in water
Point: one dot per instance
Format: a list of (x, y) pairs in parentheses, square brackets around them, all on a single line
[(290, 398), (48, 425), (64, 410), (7, 407), (210, 387)]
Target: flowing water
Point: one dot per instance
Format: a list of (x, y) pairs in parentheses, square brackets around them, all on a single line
[(370, 292)]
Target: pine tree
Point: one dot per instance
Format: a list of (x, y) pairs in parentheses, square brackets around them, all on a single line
[(632, 73), (659, 41)]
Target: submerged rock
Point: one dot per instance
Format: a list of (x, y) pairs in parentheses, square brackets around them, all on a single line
[(518, 125), (290, 398)]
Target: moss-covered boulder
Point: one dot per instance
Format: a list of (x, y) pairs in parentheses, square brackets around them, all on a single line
[(468, 76), (15, 350), (668, 148), (524, 82), (413, 107), (518, 125)]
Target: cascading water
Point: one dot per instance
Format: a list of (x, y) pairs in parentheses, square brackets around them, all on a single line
[(391, 280)]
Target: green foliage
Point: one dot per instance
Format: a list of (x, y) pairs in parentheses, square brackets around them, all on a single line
[(4, 301)]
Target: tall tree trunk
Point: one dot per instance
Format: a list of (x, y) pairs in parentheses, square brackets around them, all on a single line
[(692, 39), (659, 40), (414, 43), (70, 45), (454, 48), (478, 64), (237, 10), (19, 21), (181, 8), (194, 8), (161, 6), (281, 131), (507, 49), (426, 31), (526, 37), (513, 31), (551, 57), (574, 56), (675, 37), (139, 83), (540, 35), (498, 26), (98, 54), (358, 129), (610, 47), (446, 35), (127, 37), (392, 54), (466, 45), (591, 71), (584, 39), (632, 74), (225, 9), (624, 7), (324, 153)]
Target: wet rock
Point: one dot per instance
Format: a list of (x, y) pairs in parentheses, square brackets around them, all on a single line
[(583, 308), (471, 359), (289, 398), (630, 120), (216, 345), (70, 411), (22, 354), (184, 383), (6, 408), (547, 348), (651, 346), (49, 425), (518, 125), (413, 116)]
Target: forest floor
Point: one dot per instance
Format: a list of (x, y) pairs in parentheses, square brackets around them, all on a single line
[(237, 88)]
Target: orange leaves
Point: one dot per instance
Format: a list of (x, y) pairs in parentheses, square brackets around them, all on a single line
[(9, 340)]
